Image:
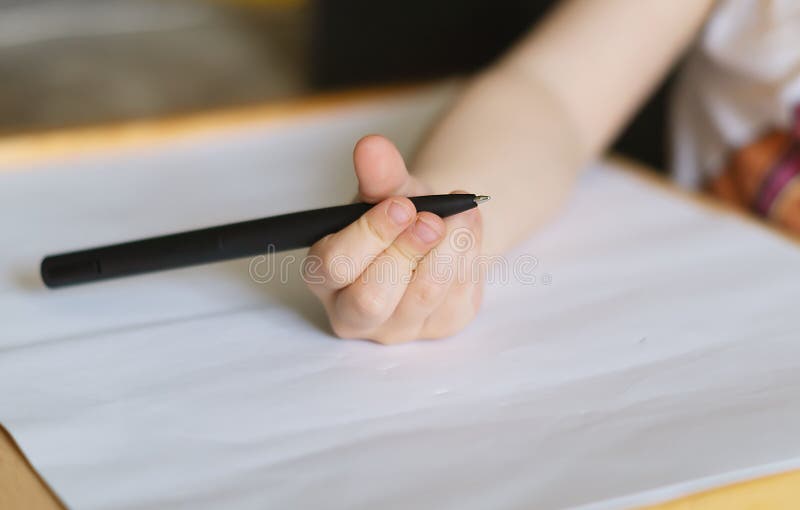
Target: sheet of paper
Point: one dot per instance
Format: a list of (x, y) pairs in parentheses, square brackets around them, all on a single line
[(652, 350)]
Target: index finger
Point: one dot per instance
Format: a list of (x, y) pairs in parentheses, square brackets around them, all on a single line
[(340, 258)]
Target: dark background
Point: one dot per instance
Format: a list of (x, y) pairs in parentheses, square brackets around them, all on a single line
[(68, 63), (363, 42)]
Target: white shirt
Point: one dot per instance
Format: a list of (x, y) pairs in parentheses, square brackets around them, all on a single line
[(742, 77)]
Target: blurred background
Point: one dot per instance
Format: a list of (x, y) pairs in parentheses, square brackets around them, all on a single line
[(68, 63)]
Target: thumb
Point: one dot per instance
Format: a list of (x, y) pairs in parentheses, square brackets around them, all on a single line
[(380, 170)]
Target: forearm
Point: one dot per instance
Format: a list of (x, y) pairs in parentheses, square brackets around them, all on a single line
[(523, 128), (508, 138)]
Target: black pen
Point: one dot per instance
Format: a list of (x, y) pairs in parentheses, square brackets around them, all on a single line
[(224, 242)]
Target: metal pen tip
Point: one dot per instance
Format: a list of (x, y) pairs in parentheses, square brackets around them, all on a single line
[(481, 198)]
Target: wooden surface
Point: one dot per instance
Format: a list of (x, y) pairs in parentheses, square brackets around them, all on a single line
[(29, 149), (22, 488), (777, 492)]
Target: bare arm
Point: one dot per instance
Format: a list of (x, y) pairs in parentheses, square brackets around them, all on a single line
[(520, 132), (525, 126)]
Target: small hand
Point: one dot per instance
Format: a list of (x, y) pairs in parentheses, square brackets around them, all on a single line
[(396, 274)]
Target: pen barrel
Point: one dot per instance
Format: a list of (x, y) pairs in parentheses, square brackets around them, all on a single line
[(225, 242)]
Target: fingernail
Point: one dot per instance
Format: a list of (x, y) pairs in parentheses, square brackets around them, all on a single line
[(425, 232), (399, 213)]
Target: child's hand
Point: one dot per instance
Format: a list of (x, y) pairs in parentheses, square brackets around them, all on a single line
[(396, 275)]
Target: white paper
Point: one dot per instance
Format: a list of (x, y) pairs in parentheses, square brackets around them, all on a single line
[(656, 354)]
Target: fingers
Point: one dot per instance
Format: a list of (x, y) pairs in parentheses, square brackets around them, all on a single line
[(339, 259), (396, 275), (369, 301), (381, 171), (460, 252), (446, 289)]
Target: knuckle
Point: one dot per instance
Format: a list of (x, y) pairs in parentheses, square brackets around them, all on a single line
[(367, 304), (320, 247), (431, 218), (426, 293), (398, 251), (318, 258), (369, 227), (332, 269), (328, 269)]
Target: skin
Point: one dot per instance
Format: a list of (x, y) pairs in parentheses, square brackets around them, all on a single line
[(520, 131), (418, 304), (747, 168)]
